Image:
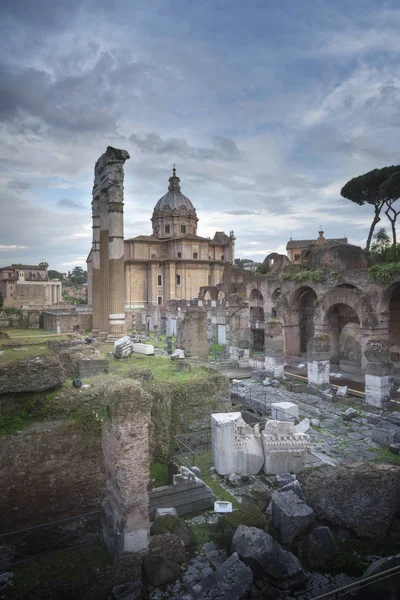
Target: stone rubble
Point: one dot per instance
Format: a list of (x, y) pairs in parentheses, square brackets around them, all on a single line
[(123, 347)]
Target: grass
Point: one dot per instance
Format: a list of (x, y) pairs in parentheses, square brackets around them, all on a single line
[(158, 474), (162, 368), (65, 566), (384, 455), (34, 339), (204, 461)]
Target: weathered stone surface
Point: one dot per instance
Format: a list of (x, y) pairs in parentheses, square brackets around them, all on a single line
[(395, 448), (31, 375), (284, 411), (283, 479), (295, 487), (236, 446), (231, 581), (341, 391), (258, 494), (290, 515), (349, 414), (166, 554), (123, 347), (361, 497), (386, 434), (178, 354), (172, 524), (267, 558), (303, 426), (192, 334), (316, 548), (125, 441), (284, 449), (143, 349)]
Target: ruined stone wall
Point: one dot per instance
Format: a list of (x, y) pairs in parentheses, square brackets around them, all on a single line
[(192, 334), (184, 407), (49, 471)]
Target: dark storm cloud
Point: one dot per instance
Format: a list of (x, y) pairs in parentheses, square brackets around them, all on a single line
[(85, 102), (222, 148), (70, 204), (42, 13)]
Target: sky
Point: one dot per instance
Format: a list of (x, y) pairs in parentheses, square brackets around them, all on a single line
[(267, 109)]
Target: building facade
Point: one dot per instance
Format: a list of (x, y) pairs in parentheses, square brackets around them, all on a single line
[(24, 286), (294, 248), (174, 261)]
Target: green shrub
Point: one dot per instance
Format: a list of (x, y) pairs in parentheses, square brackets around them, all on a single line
[(384, 273)]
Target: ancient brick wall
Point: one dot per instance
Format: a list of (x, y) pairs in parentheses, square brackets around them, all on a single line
[(49, 471)]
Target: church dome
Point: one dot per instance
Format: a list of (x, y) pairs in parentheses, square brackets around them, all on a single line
[(174, 214), (174, 199)]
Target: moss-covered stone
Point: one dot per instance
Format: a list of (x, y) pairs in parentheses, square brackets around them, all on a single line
[(172, 524), (249, 515)]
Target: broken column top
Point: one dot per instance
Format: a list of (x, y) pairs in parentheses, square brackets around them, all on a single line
[(223, 418)]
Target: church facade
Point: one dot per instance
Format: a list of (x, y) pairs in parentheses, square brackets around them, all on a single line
[(174, 261)]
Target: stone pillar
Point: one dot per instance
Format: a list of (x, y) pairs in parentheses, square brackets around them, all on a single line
[(273, 347), (318, 364), (378, 379), (125, 442), (103, 264), (108, 195), (117, 327), (96, 302), (156, 320)]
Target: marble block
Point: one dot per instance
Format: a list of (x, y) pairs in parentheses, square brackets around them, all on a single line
[(284, 411), (236, 446), (284, 449)]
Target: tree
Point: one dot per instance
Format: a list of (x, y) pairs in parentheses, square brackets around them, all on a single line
[(391, 189), (78, 276), (43, 264), (55, 274), (366, 189), (381, 245)]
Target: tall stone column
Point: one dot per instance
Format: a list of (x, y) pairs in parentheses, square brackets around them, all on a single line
[(108, 194), (96, 265), (103, 205)]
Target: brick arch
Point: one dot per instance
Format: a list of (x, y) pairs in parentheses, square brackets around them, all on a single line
[(354, 298), (212, 291)]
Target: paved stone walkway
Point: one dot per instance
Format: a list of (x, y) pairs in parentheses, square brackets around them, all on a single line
[(335, 440)]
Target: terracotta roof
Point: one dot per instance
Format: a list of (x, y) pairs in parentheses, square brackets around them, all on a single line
[(13, 267), (143, 238), (300, 244)]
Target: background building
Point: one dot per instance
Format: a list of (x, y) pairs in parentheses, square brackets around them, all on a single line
[(294, 248), (173, 262), (23, 286)]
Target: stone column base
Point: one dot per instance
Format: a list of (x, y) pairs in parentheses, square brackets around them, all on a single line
[(318, 373), (377, 390), (118, 542), (273, 365)]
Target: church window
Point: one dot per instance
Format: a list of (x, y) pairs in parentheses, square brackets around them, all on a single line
[(178, 280), (297, 257), (167, 229), (222, 257), (179, 254), (159, 280), (159, 300), (183, 228), (195, 255)]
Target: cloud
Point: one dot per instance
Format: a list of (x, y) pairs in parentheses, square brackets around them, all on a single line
[(222, 148), (70, 204), (11, 247)]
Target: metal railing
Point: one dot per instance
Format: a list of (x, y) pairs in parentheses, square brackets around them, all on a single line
[(23, 545), (200, 442), (359, 584)]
